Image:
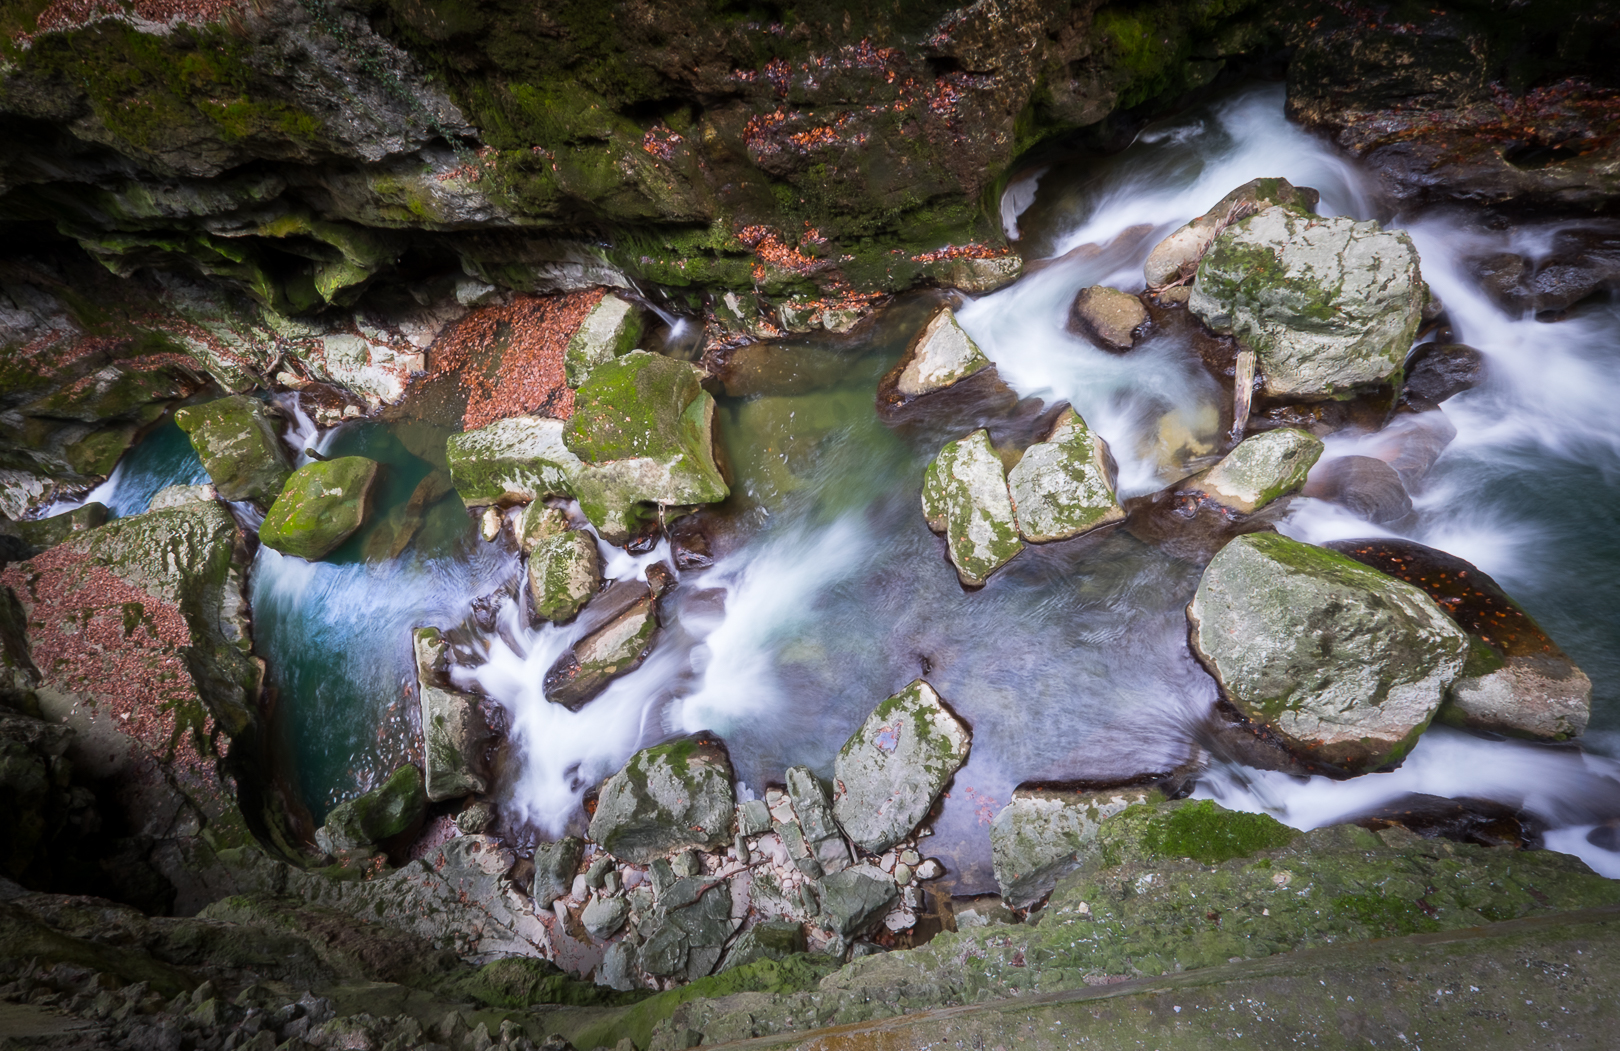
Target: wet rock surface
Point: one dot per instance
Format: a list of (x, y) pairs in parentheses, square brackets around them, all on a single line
[(1261, 469), (1328, 304), (939, 356), (615, 648), (613, 327), (1516, 681), (1176, 258), (1037, 838), (564, 572), (1436, 371), (1108, 317), (237, 442), (322, 505), (965, 497), (454, 731), (1345, 664), (1063, 486), (388, 810), (890, 770), (667, 798), (1364, 485)]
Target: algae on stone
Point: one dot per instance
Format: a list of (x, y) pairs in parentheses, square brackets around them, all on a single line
[(382, 813), (893, 767), (614, 649), (1039, 836), (1178, 255), (515, 460), (238, 445), (1263, 467), (1346, 665), (564, 572), (453, 730), (965, 497), (669, 797), (323, 504), (940, 355), (1062, 487), (1329, 305)]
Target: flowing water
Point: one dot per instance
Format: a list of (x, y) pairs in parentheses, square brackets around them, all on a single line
[(161, 458), (1072, 663)]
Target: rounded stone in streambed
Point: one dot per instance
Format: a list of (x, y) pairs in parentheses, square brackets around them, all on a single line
[(670, 797), (564, 572), (1262, 468), (382, 813), (1345, 664), (322, 505), (891, 769), (1363, 485), (1107, 317), (1517, 681), (1436, 371)]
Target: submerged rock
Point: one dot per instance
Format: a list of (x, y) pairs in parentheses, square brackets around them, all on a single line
[(670, 797), (940, 355), (454, 732), (1363, 485), (643, 428), (1328, 304), (323, 504), (614, 649), (891, 769), (965, 497), (516, 460), (1516, 681), (1107, 317), (1262, 468), (1178, 255), (613, 327), (1063, 486), (1345, 664), (238, 445), (564, 572), (1037, 838), (382, 813)]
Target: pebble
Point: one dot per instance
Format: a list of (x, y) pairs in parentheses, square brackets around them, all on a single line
[(581, 888), (910, 857), (930, 869), (902, 873)]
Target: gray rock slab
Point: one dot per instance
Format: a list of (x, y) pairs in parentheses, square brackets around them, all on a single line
[(965, 497), (670, 797), (1039, 837), (891, 769), (1063, 487)]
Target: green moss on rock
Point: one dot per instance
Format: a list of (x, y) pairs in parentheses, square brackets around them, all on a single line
[(322, 505), (238, 445)]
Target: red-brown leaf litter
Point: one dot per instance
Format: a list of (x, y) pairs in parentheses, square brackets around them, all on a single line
[(509, 357)]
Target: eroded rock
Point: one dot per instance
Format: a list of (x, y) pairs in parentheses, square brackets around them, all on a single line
[(940, 355), (322, 505), (564, 572), (453, 729), (1262, 468), (1328, 305), (670, 797), (889, 772), (1344, 663), (1063, 487), (1107, 317), (965, 497)]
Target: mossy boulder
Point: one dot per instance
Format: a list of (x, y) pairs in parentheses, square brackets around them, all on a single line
[(643, 426), (1329, 305), (1517, 680), (380, 814), (890, 771), (564, 572), (454, 732), (669, 797), (1040, 836), (237, 442), (1344, 664), (613, 327), (1177, 256), (965, 497), (1063, 487), (615, 648), (323, 504), (516, 460), (855, 899), (43, 533), (1262, 468), (765, 940)]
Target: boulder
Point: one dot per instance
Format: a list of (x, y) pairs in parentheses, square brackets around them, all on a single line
[(1363, 485), (382, 813), (603, 916), (1517, 681), (1107, 317), (965, 497), (323, 504), (1063, 486), (643, 427), (670, 797), (613, 327), (813, 807), (1328, 305), (564, 572), (938, 356), (1262, 468), (765, 940), (40, 534), (554, 867), (180, 495), (237, 442), (1038, 838), (855, 899), (1178, 255), (614, 649), (537, 522), (890, 771), (454, 732), (1344, 664), (1436, 371), (516, 460)]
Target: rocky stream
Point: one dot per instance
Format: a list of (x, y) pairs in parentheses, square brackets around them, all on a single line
[(533, 527)]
